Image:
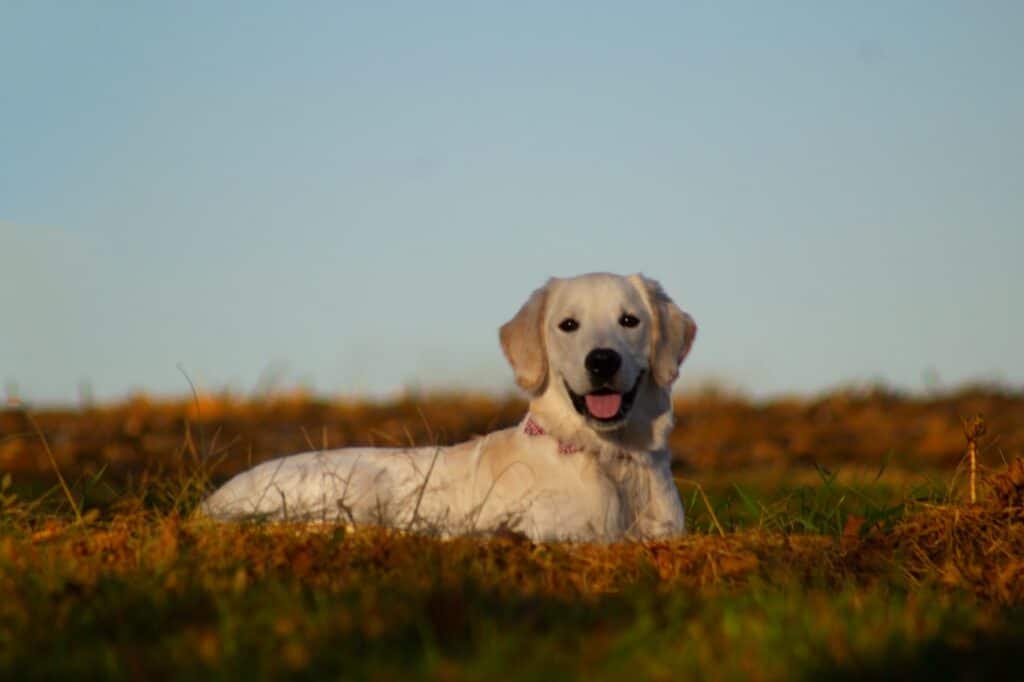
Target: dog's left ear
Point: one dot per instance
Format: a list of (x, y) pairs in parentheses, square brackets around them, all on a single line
[(672, 331), (522, 342)]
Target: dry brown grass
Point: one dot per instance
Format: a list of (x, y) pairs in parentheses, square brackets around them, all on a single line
[(977, 547), (713, 433)]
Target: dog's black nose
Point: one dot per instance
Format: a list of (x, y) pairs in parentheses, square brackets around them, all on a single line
[(602, 363)]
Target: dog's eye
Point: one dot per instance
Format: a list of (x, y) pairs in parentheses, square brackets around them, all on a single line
[(628, 320), (568, 325)]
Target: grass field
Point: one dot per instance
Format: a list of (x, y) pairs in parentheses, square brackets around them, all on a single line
[(829, 538)]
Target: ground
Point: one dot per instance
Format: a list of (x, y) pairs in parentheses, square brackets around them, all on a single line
[(828, 537)]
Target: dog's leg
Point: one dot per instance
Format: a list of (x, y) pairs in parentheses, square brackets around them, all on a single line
[(662, 514)]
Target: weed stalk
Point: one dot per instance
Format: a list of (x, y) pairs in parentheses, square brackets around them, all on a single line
[(973, 431), (56, 468)]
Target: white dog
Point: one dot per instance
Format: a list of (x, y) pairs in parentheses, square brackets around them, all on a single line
[(598, 354)]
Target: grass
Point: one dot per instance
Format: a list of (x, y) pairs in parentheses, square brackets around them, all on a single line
[(876, 567), (155, 597), (815, 501)]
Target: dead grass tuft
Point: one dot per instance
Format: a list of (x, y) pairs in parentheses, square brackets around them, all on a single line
[(979, 547), (1008, 487)]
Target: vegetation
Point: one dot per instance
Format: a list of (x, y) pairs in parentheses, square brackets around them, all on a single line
[(829, 538)]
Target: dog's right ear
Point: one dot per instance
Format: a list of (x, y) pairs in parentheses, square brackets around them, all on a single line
[(522, 342)]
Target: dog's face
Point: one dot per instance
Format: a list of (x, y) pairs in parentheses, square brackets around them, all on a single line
[(599, 343), (597, 332)]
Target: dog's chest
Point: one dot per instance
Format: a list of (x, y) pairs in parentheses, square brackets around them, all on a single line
[(614, 492)]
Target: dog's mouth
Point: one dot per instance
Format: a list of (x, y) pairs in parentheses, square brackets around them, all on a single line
[(605, 405)]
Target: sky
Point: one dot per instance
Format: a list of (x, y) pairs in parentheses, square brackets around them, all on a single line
[(352, 197)]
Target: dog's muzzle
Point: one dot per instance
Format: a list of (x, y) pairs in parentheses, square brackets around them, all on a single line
[(604, 405)]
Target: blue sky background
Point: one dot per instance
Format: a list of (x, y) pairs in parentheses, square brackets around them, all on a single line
[(352, 197)]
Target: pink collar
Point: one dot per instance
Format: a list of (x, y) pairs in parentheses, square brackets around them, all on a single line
[(532, 428)]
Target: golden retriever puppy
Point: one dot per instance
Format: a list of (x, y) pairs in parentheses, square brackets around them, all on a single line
[(598, 355)]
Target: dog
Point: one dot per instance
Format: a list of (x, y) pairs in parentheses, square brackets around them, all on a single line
[(598, 355)]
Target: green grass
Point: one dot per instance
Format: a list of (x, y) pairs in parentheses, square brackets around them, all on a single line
[(141, 591), (131, 627), (815, 501)]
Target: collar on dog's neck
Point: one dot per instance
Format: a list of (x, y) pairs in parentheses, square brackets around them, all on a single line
[(532, 428)]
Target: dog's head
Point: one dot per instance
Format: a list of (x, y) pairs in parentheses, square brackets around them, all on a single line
[(599, 354)]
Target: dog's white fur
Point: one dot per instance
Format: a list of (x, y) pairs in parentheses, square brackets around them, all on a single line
[(614, 482)]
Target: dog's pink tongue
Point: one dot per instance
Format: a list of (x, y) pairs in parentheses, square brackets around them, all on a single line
[(604, 406)]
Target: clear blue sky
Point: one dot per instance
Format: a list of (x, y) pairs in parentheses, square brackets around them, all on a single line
[(354, 196)]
